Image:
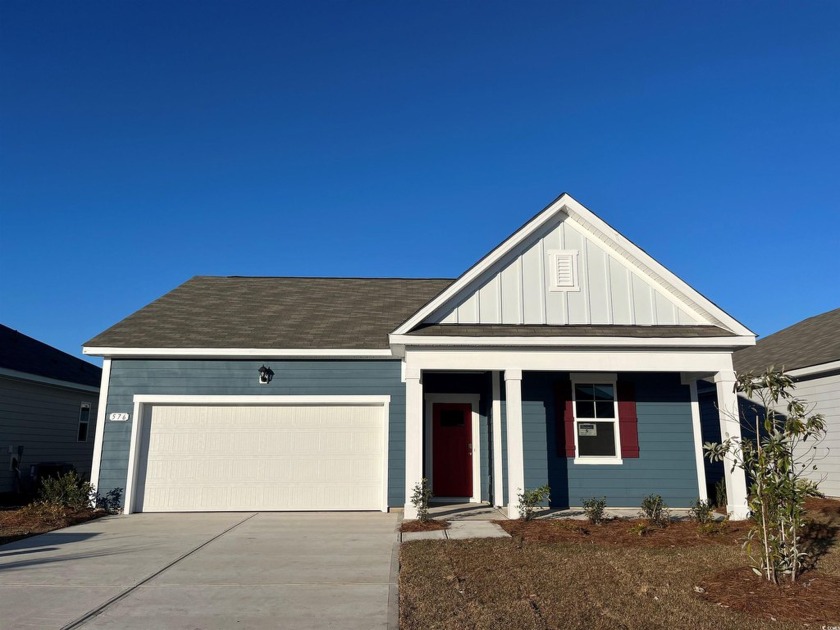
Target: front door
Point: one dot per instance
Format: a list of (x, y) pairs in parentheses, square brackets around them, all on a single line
[(452, 450)]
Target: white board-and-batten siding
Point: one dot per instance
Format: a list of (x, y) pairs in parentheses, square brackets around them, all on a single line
[(611, 291)]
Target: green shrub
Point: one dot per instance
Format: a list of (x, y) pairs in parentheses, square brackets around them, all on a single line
[(420, 499), (111, 501), (639, 528), (720, 494), (594, 509), (67, 491), (530, 500), (656, 510), (701, 512)]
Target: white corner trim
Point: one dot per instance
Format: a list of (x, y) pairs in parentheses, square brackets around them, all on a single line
[(99, 436), (143, 402), (698, 441), (498, 481), (468, 399), (261, 353), (581, 342), (45, 380)]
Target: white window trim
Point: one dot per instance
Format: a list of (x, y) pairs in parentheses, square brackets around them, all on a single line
[(89, 407), (466, 399), (553, 256), (597, 379)]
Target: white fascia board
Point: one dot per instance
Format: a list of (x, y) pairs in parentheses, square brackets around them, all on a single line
[(245, 353), (44, 380), (488, 261), (574, 207), (589, 221), (178, 399), (812, 370), (410, 341), (578, 360)]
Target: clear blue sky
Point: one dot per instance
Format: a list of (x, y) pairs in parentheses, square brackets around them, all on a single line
[(142, 143)]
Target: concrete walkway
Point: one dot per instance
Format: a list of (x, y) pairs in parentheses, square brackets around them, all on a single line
[(459, 530), (259, 570)]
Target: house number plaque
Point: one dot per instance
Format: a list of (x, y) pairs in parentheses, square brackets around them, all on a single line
[(118, 417)]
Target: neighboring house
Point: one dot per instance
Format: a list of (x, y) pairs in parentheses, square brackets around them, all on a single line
[(809, 352), (565, 356), (48, 403)]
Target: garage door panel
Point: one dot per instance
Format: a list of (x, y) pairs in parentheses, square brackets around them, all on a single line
[(324, 457)]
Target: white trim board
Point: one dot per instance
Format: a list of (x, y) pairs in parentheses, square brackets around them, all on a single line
[(99, 436), (467, 399), (257, 353), (144, 401), (578, 342), (652, 270), (814, 369)]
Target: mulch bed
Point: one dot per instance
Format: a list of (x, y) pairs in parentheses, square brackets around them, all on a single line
[(423, 526), (628, 532), (18, 523), (815, 598)]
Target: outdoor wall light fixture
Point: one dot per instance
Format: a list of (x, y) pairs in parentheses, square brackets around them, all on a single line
[(266, 374)]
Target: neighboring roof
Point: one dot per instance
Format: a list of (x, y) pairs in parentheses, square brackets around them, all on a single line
[(516, 330), (274, 313), (25, 354), (813, 341)]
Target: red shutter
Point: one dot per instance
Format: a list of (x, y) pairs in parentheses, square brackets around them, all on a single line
[(628, 422), (564, 428)]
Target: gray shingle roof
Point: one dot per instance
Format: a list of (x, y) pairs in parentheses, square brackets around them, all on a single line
[(299, 313), (24, 354), (513, 330), (812, 341)]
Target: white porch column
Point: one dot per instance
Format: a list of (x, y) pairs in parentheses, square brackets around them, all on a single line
[(413, 436), (515, 454), (699, 456), (496, 412), (730, 427)]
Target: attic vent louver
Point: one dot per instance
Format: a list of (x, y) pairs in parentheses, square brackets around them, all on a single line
[(564, 270)]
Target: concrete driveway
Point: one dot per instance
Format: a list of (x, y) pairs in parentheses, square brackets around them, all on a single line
[(257, 570)]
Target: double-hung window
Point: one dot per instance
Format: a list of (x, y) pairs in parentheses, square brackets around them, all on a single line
[(84, 422), (596, 421)]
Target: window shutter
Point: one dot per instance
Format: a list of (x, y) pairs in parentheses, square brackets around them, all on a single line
[(565, 420), (628, 422)]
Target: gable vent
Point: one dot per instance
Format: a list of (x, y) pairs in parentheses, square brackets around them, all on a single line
[(564, 270)]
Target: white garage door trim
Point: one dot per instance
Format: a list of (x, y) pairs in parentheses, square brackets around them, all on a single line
[(141, 400)]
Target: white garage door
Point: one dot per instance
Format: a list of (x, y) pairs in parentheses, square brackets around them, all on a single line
[(260, 457)]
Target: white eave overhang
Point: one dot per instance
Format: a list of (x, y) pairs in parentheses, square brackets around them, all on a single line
[(572, 342), (237, 353)]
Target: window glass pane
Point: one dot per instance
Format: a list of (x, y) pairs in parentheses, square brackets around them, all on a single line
[(584, 392), (83, 430), (603, 392), (596, 439), (451, 418), (585, 409), (605, 409)]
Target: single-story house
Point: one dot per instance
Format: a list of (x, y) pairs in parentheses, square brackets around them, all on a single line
[(809, 352), (48, 404), (566, 356)]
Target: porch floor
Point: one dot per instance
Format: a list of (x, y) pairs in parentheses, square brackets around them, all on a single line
[(466, 512)]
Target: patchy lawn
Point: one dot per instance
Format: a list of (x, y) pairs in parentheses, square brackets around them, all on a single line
[(17, 523), (570, 574)]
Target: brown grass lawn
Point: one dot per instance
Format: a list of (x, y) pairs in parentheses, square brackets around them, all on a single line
[(562, 574), (17, 523)]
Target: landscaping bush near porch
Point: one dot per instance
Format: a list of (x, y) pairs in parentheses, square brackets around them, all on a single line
[(572, 574)]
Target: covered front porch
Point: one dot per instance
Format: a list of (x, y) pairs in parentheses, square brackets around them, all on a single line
[(482, 425)]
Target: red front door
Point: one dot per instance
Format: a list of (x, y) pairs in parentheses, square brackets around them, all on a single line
[(452, 450)]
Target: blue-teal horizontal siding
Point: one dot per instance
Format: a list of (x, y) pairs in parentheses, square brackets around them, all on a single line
[(666, 462), (240, 378)]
